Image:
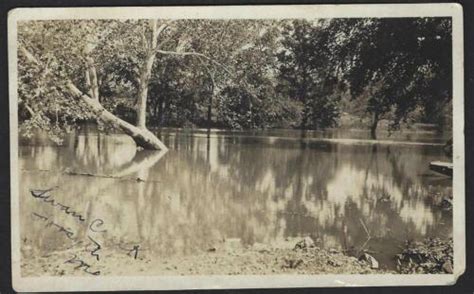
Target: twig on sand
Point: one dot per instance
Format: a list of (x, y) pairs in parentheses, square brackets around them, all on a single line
[(72, 173), (109, 177), (365, 228), (368, 236)]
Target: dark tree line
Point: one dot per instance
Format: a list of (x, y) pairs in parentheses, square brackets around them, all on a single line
[(239, 74)]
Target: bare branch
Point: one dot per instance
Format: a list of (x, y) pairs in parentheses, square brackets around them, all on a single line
[(209, 73), (369, 237), (165, 41), (196, 54), (156, 32), (32, 59), (144, 40), (365, 228), (28, 108), (29, 56)]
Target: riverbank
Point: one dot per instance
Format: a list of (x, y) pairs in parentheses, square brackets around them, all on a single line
[(220, 260), (434, 256)]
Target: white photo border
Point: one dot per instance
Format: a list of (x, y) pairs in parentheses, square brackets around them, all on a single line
[(102, 283)]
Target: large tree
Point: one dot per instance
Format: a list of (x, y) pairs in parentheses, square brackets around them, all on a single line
[(251, 98), (306, 74), (394, 65), (187, 90), (65, 65)]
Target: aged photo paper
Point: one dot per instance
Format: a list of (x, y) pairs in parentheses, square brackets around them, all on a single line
[(216, 147)]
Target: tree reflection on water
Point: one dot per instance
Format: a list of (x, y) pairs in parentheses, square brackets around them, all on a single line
[(209, 188)]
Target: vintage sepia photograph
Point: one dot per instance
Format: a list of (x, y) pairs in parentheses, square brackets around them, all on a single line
[(262, 142)]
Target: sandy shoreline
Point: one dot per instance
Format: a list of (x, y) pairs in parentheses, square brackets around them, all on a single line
[(221, 260), (302, 257)]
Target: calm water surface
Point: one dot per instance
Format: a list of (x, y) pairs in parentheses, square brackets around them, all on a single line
[(253, 187)]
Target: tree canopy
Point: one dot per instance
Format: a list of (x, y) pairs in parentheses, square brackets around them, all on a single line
[(231, 73), (395, 65)]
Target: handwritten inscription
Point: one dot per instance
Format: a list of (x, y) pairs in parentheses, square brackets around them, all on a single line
[(48, 223), (48, 198), (96, 248), (96, 227), (82, 265), (132, 251)]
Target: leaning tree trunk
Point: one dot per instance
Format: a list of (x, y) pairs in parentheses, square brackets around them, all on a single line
[(139, 133), (142, 137)]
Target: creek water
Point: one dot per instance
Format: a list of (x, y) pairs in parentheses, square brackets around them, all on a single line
[(254, 187)]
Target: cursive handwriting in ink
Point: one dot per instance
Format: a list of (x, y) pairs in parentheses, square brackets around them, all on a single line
[(97, 248), (48, 198), (82, 265), (40, 216), (131, 252), (49, 223), (134, 251), (96, 225)]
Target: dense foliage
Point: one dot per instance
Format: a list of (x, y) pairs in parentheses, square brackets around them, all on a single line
[(238, 74), (395, 65), (307, 74)]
